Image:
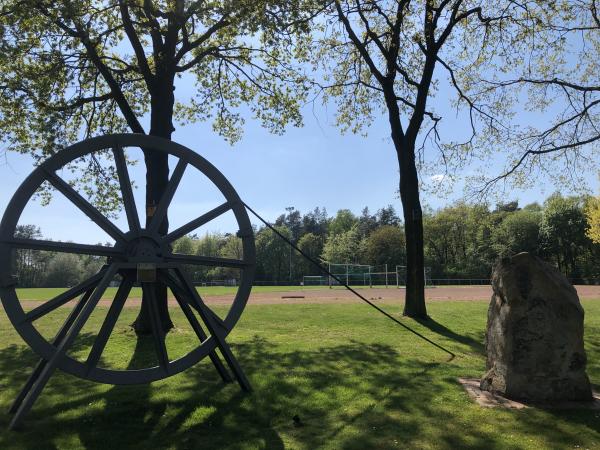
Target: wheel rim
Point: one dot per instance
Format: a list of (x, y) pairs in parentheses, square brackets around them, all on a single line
[(136, 246)]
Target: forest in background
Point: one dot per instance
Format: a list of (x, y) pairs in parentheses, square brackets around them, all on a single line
[(462, 241)]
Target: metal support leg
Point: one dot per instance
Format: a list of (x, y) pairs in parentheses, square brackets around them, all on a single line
[(42, 362), (215, 332), (48, 368), (179, 294)]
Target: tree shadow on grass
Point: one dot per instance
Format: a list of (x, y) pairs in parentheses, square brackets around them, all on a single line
[(438, 328), (17, 362), (592, 349), (125, 405), (354, 395)]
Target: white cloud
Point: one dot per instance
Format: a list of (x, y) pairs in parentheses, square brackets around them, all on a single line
[(438, 178)]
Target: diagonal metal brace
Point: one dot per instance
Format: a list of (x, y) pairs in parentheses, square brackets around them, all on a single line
[(216, 334)]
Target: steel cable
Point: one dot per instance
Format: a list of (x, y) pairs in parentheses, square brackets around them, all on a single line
[(326, 271)]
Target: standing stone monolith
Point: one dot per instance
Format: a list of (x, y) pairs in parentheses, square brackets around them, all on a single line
[(534, 338)]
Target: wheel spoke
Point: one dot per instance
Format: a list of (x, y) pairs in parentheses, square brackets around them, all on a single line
[(65, 297), (109, 323), (96, 216), (196, 223), (165, 200), (157, 330), (206, 261), (63, 247), (128, 200)]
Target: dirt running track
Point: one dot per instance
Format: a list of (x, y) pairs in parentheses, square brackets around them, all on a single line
[(443, 293), (338, 295)]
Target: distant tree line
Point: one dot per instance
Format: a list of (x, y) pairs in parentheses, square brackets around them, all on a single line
[(462, 241), (50, 269)]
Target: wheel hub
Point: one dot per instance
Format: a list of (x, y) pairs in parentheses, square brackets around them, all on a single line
[(144, 249)]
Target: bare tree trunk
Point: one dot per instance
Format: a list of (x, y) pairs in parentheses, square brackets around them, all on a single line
[(157, 178), (414, 304)]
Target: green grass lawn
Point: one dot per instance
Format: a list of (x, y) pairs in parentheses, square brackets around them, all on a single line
[(356, 380), (47, 293)]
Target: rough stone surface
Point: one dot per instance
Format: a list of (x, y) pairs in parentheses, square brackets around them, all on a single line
[(534, 337)]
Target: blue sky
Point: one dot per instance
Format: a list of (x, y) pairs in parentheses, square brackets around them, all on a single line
[(306, 167)]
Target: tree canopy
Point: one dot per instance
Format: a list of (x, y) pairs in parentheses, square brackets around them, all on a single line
[(547, 76), (593, 218), (75, 69)]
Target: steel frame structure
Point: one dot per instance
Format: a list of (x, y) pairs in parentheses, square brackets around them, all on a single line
[(138, 250)]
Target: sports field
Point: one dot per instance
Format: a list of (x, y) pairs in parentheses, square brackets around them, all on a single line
[(46, 293), (352, 378), (300, 294)]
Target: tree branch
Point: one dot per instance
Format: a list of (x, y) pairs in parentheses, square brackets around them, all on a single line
[(359, 45), (188, 46), (137, 45), (79, 33), (82, 101)]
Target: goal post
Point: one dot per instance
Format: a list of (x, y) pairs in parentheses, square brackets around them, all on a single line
[(381, 276), (428, 280), (401, 276)]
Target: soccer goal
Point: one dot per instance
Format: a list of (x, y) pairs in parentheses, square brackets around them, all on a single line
[(315, 280), (381, 276), (351, 274), (401, 276), (363, 275)]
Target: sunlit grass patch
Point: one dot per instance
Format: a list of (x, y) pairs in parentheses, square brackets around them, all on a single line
[(352, 377)]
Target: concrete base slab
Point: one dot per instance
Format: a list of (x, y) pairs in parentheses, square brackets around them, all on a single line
[(487, 399)]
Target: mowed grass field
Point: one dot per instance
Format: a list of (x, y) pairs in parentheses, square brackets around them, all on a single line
[(136, 292), (355, 379)]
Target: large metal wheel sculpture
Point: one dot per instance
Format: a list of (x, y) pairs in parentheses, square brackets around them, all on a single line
[(140, 255)]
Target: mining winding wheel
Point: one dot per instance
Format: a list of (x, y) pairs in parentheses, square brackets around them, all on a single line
[(140, 255)]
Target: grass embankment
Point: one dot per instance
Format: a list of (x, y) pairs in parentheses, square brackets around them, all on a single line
[(354, 378)]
